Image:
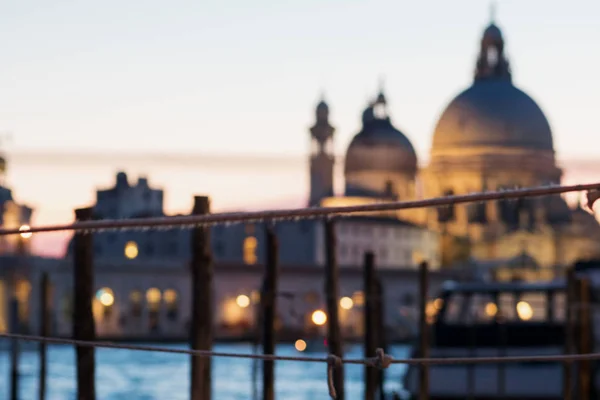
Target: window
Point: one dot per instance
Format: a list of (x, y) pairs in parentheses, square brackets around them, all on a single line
[(446, 213), (153, 297), (106, 298), (492, 56), (149, 249), (389, 188), (131, 250), (135, 297), (250, 244), (170, 297)]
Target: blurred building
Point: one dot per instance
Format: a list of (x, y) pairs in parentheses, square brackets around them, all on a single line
[(12, 216), (492, 136)]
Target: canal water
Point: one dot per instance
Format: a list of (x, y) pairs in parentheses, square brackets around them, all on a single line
[(135, 375)]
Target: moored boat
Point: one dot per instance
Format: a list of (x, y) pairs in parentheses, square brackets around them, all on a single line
[(496, 319)]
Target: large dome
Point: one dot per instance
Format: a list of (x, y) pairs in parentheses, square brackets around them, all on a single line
[(379, 146), (492, 112)]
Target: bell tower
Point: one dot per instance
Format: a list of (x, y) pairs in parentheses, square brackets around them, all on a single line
[(321, 156)]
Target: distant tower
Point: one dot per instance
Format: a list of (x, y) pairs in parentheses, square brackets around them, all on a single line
[(3, 139), (321, 156)]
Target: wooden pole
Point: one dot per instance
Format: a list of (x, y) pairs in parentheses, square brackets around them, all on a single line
[(14, 348), (502, 339), (332, 277), (585, 339), (381, 337), (370, 320), (83, 318), (44, 332), (202, 304), (569, 335), (423, 331), (269, 304)]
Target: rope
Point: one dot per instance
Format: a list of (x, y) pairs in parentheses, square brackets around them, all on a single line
[(299, 213), (382, 360)]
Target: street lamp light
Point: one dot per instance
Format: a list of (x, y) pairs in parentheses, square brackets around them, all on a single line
[(319, 317)]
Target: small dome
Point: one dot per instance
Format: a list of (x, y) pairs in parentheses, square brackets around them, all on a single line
[(492, 32), (379, 146), (493, 112)]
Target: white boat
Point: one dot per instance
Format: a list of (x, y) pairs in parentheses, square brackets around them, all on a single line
[(496, 319)]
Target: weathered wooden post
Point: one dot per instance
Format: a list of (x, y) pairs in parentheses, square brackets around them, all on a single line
[(44, 331), (423, 330), (569, 335), (585, 339), (370, 321), (202, 304), (269, 306), (14, 348), (381, 336), (332, 277), (83, 318)]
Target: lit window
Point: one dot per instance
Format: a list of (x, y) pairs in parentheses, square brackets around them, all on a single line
[(106, 297), (153, 296), (250, 244), (170, 297), (358, 298), (131, 250)]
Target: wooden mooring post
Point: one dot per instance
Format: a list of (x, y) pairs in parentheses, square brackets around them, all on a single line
[(370, 324), (269, 312), (201, 327), (332, 277), (569, 335), (14, 347), (423, 330), (83, 319), (44, 332), (586, 343), (381, 334)]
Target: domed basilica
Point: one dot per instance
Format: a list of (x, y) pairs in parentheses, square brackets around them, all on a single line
[(491, 136)]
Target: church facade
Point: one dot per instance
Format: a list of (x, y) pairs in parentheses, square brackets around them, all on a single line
[(492, 136)]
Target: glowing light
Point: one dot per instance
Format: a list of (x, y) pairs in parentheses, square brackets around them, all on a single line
[(300, 345), (250, 245), (153, 296), (106, 297), (430, 310), (24, 231), (243, 301), (524, 310), (491, 309), (438, 304), (170, 296), (358, 298), (319, 317), (346, 303), (255, 296), (131, 250)]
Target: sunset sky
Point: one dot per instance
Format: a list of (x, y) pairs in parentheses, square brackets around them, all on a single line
[(227, 78)]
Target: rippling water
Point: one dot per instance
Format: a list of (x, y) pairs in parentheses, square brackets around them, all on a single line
[(135, 375)]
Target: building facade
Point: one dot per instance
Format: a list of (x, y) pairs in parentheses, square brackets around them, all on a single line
[(492, 136)]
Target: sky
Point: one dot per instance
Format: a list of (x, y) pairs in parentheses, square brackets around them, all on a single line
[(233, 77)]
